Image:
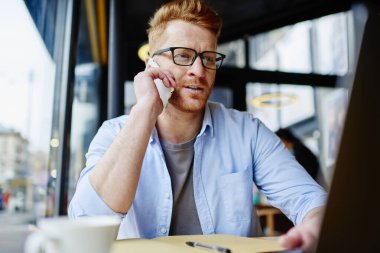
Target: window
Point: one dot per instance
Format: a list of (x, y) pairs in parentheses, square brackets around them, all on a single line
[(288, 105), (319, 46), (234, 51), (85, 118), (222, 95), (27, 72)]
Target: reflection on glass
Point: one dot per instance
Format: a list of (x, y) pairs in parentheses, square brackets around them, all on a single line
[(26, 100)]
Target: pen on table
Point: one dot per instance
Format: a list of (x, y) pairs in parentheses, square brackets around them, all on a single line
[(211, 247)]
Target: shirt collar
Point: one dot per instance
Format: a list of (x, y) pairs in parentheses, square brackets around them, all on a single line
[(207, 123)]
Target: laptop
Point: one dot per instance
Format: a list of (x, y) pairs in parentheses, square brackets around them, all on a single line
[(352, 219)]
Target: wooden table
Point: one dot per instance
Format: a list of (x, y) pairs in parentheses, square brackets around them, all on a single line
[(176, 244), (268, 212)]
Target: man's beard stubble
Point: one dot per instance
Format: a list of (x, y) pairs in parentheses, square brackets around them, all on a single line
[(190, 104)]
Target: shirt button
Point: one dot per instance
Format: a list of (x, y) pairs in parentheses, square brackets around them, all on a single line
[(163, 230), (167, 195)]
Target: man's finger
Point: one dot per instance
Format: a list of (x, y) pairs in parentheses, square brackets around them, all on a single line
[(291, 240)]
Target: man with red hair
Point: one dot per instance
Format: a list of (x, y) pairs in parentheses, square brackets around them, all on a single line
[(189, 167)]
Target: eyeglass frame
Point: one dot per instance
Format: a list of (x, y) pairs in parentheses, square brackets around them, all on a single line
[(200, 54)]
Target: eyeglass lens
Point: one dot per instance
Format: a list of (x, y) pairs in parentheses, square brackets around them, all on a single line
[(186, 56)]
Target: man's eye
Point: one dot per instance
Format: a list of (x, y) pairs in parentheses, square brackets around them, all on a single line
[(209, 59), (182, 56)]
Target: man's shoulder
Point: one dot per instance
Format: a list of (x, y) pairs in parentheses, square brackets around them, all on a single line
[(218, 110), (216, 107)]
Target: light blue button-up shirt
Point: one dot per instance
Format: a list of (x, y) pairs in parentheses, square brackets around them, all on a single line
[(232, 151)]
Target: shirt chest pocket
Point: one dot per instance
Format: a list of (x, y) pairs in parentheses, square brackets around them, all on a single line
[(236, 195)]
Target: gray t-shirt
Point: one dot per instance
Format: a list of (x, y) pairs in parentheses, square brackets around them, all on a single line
[(179, 160)]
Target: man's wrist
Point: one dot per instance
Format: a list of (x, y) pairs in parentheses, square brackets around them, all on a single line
[(315, 212), (147, 109)]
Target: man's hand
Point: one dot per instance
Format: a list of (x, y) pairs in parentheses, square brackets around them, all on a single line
[(146, 91), (118, 170), (305, 235)]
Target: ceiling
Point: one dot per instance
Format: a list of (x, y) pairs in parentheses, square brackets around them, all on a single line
[(240, 17)]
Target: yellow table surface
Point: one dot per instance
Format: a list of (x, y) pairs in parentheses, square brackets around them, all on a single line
[(171, 244)]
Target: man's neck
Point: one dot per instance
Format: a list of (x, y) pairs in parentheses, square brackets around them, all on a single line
[(176, 127)]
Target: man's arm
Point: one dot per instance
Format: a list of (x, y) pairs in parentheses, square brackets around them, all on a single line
[(116, 175), (289, 187), (304, 235)]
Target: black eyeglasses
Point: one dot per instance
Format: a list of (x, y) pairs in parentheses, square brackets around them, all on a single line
[(184, 56)]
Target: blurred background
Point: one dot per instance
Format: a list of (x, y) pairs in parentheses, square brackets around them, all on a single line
[(66, 66)]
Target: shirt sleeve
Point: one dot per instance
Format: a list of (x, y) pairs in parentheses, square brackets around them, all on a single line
[(284, 182), (86, 201)]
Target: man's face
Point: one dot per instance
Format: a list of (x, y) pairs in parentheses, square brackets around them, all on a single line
[(194, 83)]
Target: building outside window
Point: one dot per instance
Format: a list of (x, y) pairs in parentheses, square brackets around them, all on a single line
[(27, 72)]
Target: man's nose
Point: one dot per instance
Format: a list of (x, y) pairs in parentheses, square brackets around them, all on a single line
[(197, 68)]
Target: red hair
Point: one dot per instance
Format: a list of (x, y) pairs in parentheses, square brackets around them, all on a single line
[(193, 11)]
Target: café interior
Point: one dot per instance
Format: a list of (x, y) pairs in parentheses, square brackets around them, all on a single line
[(66, 66)]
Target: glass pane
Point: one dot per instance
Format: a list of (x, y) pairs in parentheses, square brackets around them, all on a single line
[(27, 74), (303, 107), (319, 46), (129, 96), (85, 108), (280, 106), (330, 42), (222, 95), (316, 116), (234, 52), (285, 49), (85, 119), (268, 116), (332, 107)]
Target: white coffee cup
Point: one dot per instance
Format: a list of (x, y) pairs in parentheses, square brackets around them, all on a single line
[(63, 235)]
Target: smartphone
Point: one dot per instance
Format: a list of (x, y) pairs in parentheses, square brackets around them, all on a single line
[(165, 92)]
